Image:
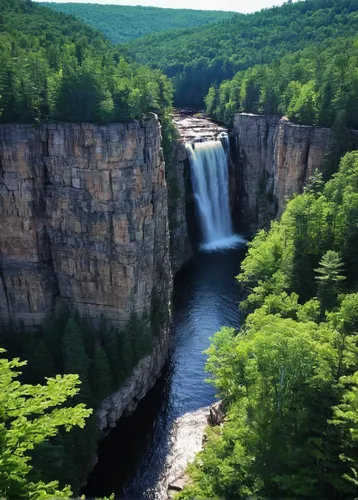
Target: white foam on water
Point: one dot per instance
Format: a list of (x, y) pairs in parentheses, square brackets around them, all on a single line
[(232, 241)]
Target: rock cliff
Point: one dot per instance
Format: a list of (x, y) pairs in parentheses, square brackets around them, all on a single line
[(126, 399), (180, 247), (83, 218), (273, 159)]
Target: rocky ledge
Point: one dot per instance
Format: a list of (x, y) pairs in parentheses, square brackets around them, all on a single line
[(192, 126), (125, 401)]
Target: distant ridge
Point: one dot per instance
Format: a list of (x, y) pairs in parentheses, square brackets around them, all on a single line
[(122, 23)]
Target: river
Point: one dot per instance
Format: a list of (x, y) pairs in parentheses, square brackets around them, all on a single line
[(133, 458)]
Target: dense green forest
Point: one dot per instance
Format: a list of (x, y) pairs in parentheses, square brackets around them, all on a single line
[(200, 57), (102, 357), (53, 66), (121, 23), (289, 377), (311, 86)]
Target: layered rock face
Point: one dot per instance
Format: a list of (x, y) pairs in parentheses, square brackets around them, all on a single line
[(273, 160), (177, 175), (83, 218)]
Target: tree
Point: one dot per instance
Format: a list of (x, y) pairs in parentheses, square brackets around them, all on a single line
[(30, 415), (101, 383), (75, 356), (277, 382), (329, 279), (346, 418)]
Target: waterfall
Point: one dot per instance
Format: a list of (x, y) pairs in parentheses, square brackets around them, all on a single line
[(210, 179)]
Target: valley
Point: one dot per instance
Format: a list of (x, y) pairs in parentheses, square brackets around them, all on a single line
[(163, 268)]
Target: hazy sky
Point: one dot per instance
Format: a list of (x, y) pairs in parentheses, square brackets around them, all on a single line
[(235, 5)]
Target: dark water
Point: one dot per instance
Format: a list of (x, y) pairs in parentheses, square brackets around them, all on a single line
[(206, 297)]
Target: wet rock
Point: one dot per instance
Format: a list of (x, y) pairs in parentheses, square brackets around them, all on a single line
[(216, 414), (178, 484), (194, 127), (186, 442)]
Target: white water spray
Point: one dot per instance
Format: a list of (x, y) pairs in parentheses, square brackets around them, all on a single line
[(210, 178)]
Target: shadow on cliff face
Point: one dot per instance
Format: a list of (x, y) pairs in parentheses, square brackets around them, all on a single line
[(132, 438)]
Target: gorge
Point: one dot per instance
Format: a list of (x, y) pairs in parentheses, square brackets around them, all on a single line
[(178, 286), (87, 219)]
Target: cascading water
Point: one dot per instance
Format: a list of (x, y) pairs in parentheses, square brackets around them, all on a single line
[(210, 178)]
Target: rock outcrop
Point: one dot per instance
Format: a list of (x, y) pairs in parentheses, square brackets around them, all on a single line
[(191, 127), (177, 177), (186, 442), (83, 218), (188, 438), (125, 401), (273, 160)]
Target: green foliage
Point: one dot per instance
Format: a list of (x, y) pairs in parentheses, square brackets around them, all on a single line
[(102, 357), (345, 417), (55, 67), (198, 58), (121, 23), (289, 377), (320, 220), (329, 277), (307, 86), (31, 415)]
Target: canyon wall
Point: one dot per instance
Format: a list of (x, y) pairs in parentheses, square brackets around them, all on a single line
[(273, 159), (83, 218), (177, 178)]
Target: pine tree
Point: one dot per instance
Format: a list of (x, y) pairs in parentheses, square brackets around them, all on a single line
[(101, 378), (42, 363), (329, 279), (75, 357)]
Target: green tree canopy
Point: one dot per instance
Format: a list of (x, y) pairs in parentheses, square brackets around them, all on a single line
[(53, 66), (30, 415)]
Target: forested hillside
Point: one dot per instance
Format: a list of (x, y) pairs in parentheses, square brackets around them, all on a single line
[(121, 23), (311, 86), (54, 66), (198, 58), (289, 377)]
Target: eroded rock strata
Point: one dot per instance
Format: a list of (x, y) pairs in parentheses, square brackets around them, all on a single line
[(84, 218), (273, 160), (178, 180)]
